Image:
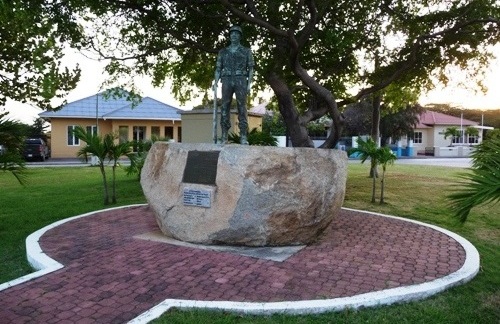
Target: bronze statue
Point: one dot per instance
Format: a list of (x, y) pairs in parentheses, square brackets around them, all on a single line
[(235, 69)]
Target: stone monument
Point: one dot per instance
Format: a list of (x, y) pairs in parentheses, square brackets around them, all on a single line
[(243, 195)]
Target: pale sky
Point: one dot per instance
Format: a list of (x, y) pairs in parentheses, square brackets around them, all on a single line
[(93, 76)]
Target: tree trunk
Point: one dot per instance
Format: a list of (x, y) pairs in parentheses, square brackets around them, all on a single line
[(374, 183), (113, 184), (382, 187), (296, 129), (328, 104), (105, 183), (375, 131)]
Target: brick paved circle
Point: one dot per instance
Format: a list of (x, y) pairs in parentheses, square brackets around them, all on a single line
[(110, 276)]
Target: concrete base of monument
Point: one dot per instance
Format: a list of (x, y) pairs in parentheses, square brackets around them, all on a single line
[(243, 195)]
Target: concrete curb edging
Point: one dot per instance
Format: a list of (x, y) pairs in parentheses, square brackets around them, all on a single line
[(38, 259), (383, 297), (469, 269)]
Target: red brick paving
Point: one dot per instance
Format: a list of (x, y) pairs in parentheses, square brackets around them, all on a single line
[(111, 277)]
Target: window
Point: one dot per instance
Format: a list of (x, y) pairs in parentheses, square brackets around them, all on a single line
[(139, 133), (169, 132), (417, 137), (92, 129), (179, 133), (473, 139), (122, 134), (72, 139), (155, 131), (458, 139)]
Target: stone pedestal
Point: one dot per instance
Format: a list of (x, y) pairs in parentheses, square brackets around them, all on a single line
[(243, 195)]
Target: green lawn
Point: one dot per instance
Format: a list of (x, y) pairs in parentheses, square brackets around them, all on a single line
[(414, 192)]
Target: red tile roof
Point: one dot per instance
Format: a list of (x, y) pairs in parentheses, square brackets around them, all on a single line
[(430, 118)]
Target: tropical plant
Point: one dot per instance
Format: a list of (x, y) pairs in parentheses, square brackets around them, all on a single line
[(255, 137), (385, 157), (471, 131), (492, 134), (12, 135), (138, 157), (273, 124), (115, 151), (452, 132), (368, 150), (98, 147), (483, 184)]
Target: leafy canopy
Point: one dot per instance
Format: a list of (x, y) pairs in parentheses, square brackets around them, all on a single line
[(316, 56), (32, 36)]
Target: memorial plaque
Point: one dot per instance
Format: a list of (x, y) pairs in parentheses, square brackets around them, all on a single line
[(196, 197), (201, 167)]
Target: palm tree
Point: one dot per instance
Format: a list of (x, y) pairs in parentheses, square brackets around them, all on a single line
[(138, 157), (115, 151), (483, 184), (471, 131), (385, 157), (368, 149), (451, 131), (98, 147), (12, 135)]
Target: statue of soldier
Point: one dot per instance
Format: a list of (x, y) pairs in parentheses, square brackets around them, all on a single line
[(235, 68)]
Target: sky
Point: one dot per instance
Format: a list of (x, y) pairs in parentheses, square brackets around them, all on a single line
[(93, 76)]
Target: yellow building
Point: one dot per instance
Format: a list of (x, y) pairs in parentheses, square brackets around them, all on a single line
[(98, 114), (198, 124)]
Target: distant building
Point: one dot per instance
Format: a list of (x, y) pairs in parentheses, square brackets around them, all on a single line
[(96, 113), (428, 135)]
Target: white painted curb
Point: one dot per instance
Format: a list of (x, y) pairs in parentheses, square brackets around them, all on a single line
[(470, 268), (39, 260), (383, 297)]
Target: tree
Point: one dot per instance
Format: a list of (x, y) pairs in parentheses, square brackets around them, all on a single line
[(400, 123), (471, 131), (12, 135), (138, 157), (98, 147), (384, 157), (357, 119), (367, 149), (273, 124), (452, 132), (482, 185), (38, 128), (32, 34), (394, 123), (492, 134), (115, 151), (309, 54)]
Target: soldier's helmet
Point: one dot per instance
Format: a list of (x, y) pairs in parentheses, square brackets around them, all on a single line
[(236, 28)]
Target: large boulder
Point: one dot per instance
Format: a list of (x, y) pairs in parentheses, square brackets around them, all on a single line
[(243, 195)]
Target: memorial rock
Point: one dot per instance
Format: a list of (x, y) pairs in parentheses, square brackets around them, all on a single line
[(243, 195)]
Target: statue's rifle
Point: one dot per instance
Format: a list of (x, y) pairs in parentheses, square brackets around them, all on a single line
[(215, 113)]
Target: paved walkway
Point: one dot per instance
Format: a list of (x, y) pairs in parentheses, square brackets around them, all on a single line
[(111, 276)]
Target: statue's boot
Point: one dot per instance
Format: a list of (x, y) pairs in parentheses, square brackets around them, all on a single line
[(224, 137), (243, 138)]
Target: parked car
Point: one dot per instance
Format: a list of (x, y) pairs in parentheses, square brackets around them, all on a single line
[(36, 149)]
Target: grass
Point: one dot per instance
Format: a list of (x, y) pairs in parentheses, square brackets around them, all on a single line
[(51, 194), (414, 192)]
